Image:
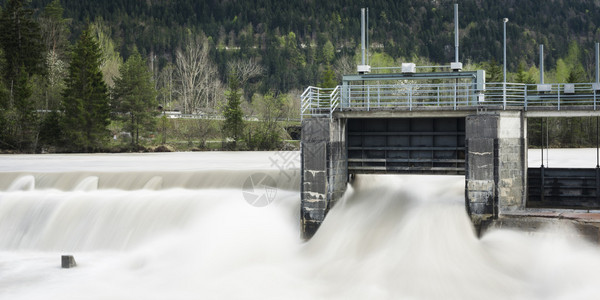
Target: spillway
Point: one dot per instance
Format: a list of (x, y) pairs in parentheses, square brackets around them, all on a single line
[(182, 226)]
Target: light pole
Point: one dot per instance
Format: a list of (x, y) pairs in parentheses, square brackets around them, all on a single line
[(504, 21)]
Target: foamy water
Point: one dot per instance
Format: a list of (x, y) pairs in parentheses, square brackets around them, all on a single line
[(161, 226)]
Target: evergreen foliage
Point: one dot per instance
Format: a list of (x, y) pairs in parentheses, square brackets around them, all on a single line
[(135, 97), (234, 122), (20, 40), (23, 57), (85, 99), (275, 47)]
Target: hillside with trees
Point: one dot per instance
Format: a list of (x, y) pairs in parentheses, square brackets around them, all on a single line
[(183, 56)]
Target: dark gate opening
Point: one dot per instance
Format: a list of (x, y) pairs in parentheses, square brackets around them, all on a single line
[(570, 188), (406, 145)]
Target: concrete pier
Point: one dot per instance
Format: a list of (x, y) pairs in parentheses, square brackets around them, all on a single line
[(324, 170), (496, 164)]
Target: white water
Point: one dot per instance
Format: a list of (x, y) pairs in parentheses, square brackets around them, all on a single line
[(161, 226)]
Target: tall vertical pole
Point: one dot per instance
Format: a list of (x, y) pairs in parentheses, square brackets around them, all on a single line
[(456, 32), (542, 64), (597, 146), (504, 21), (542, 175), (597, 62), (542, 139), (367, 35), (363, 39)]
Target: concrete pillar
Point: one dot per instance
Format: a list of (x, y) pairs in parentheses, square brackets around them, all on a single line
[(324, 170), (480, 133), (496, 164), (512, 161)]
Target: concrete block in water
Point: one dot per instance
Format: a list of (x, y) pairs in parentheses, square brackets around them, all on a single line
[(68, 261)]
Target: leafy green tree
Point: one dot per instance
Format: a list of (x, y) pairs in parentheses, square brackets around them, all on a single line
[(85, 100), (135, 97), (271, 109), (561, 73), (234, 123), (111, 58)]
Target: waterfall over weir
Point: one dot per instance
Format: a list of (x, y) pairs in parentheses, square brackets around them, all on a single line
[(178, 226)]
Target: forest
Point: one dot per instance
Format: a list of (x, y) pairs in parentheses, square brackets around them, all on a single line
[(100, 75)]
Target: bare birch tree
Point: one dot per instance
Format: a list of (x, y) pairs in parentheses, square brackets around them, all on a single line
[(245, 69), (196, 75)]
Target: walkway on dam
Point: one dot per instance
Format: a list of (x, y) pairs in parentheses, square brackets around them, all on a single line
[(558, 99)]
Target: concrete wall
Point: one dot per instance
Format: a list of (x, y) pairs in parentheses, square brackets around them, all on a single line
[(496, 164), (324, 170)]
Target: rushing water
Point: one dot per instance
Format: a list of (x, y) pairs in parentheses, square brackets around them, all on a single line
[(180, 226)]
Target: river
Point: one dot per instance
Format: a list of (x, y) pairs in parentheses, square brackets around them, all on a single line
[(189, 226)]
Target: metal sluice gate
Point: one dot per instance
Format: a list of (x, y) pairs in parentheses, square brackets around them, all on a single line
[(406, 145)]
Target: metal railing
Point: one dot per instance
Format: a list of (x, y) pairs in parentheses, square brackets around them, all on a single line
[(323, 102), (317, 102)]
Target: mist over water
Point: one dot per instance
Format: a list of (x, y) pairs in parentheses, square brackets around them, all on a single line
[(173, 232)]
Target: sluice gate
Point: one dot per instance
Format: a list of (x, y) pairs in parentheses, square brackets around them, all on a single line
[(569, 188), (406, 145)]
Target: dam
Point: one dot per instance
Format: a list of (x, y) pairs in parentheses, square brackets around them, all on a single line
[(441, 123)]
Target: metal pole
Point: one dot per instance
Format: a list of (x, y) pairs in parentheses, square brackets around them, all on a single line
[(547, 143), (542, 183), (597, 62), (362, 35), (367, 35), (456, 32), (504, 21), (542, 64), (542, 139), (597, 145)]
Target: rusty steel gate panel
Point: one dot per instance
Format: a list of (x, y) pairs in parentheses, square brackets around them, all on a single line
[(406, 146)]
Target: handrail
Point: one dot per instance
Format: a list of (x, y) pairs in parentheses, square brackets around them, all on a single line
[(317, 101), (335, 99)]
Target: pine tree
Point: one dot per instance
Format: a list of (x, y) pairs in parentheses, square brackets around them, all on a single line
[(493, 71), (22, 49), (234, 123), (85, 99), (20, 40), (135, 96), (328, 79)]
